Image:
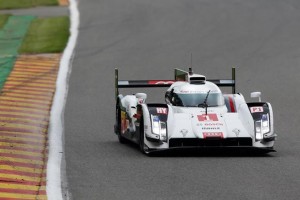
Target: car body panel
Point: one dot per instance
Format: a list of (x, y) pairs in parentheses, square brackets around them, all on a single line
[(232, 123)]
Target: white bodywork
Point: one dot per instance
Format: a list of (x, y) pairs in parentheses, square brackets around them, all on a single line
[(231, 122), (192, 123)]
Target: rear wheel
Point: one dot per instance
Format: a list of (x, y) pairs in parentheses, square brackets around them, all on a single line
[(122, 140)]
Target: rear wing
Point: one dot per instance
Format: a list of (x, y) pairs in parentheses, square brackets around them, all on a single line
[(180, 75)]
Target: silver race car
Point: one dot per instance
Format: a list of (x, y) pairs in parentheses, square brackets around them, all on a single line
[(196, 115)]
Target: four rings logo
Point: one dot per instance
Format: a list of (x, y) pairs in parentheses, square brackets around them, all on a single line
[(212, 135)]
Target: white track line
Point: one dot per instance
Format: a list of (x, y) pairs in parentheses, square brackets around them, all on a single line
[(56, 126)]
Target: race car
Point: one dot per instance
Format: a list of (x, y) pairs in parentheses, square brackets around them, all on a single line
[(196, 114)]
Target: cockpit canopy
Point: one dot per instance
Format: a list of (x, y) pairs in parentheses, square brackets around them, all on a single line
[(190, 95)]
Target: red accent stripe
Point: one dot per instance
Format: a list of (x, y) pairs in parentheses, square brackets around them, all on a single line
[(38, 144), (33, 81), (22, 130), (42, 88), (35, 112), (35, 66), (21, 100), (18, 191), (29, 81), (232, 108), (20, 173), (41, 151), (24, 123), (44, 119), (46, 72), (34, 74), (15, 104), (14, 181), (20, 164), (23, 135), (21, 92), (33, 77), (167, 82), (43, 105), (26, 96), (38, 63), (25, 88)]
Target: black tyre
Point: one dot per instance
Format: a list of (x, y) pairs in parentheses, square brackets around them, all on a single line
[(142, 136)]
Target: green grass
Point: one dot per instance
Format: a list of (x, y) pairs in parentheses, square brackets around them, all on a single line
[(3, 19), (16, 4), (46, 35)]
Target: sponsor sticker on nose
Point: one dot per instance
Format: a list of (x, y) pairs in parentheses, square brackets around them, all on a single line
[(208, 117), (212, 135)]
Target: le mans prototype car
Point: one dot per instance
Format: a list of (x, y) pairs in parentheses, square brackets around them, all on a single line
[(196, 115)]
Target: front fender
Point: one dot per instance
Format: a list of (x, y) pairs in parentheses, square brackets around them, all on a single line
[(258, 110), (159, 114)]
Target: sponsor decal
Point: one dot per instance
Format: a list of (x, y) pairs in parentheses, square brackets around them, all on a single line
[(162, 111), (208, 117), (213, 124), (159, 82), (236, 131), (257, 109), (210, 128), (140, 101), (124, 123), (184, 132), (212, 135)]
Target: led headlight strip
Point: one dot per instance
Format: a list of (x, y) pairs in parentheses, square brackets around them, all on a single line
[(262, 127), (159, 128)]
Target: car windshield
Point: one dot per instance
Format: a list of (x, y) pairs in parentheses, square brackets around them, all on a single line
[(194, 100)]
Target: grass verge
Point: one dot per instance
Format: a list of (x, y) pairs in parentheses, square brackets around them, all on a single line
[(16, 4), (46, 35), (3, 19)]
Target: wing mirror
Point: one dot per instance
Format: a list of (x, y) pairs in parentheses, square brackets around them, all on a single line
[(256, 95)]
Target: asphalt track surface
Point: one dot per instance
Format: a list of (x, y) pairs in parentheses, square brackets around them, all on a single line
[(146, 40)]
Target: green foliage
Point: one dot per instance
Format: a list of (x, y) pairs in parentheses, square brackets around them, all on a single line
[(15, 4), (46, 35)]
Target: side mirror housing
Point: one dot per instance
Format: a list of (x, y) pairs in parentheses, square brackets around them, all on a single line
[(256, 95)]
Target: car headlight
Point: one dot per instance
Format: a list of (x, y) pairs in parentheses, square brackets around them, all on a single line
[(159, 128), (262, 126)]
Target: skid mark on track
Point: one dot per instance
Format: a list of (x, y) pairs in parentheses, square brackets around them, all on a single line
[(25, 104)]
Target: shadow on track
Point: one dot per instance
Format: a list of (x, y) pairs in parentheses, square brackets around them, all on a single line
[(211, 152), (205, 152)]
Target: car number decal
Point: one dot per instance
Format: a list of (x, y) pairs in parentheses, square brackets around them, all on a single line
[(208, 117), (162, 110), (257, 109)]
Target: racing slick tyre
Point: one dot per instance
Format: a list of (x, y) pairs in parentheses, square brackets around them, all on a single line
[(122, 140), (142, 137)]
